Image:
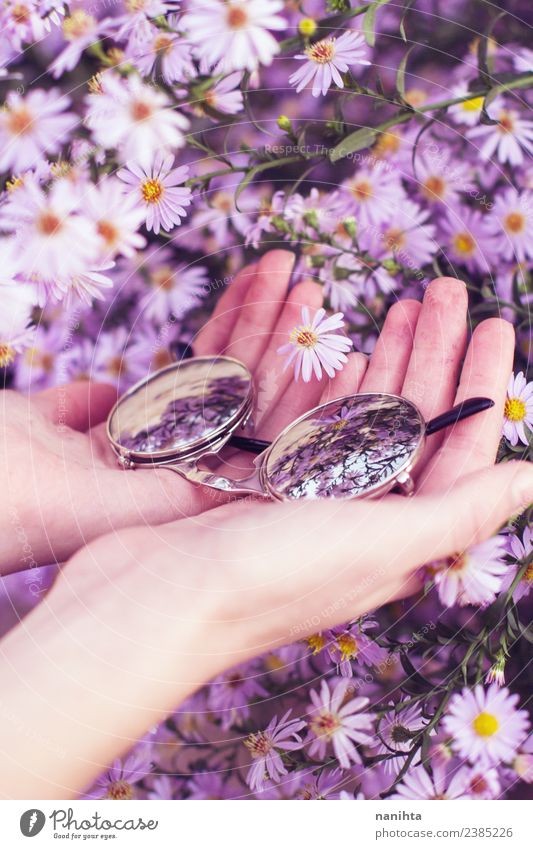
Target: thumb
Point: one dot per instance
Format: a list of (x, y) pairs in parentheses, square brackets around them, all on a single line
[(78, 405), (472, 511)]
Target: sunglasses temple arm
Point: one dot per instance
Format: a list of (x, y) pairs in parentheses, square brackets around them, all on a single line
[(462, 411), (456, 414)]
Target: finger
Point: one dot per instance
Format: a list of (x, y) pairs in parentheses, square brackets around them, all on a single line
[(473, 443), (388, 364), (347, 381), (215, 334), (438, 348), (78, 405), (261, 307), (271, 380)]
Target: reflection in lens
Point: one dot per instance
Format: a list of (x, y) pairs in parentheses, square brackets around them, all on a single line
[(183, 405), (345, 449)]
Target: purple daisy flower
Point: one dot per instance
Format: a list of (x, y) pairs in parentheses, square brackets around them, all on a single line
[(418, 784), (264, 748), (339, 722), (156, 189), (485, 726), (518, 409), (325, 60)]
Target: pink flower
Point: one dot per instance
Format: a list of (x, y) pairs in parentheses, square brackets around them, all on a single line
[(518, 410), (326, 60), (510, 225), (264, 748), (32, 126), (484, 725), (507, 138), (342, 725), (156, 190), (473, 576), (174, 53), (466, 239), (397, 731), (133, 117), (314, 346), (234, 35)]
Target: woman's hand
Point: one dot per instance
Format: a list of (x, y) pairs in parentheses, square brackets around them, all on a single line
[(141, 618), (58, 474)]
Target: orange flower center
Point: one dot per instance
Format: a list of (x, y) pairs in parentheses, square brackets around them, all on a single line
[(119, 790), (362, 190), (107, 231), (514, 222), (236, 17), (140, 111), (322, 52), (48, 224), (434, 187), (304, 337), (20, 121)]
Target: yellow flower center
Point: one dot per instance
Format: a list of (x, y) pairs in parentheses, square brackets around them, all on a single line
[(514, 222), (322, 52), (316, 642), (473, 105), (348, 646), (485, 724), (20, 13), (304, 337), (236, 17), (515, 410), (119, 790), (152, 191), (7, 354), (78, 25), (464, 244), (135, 5), (394, 239), (307, 27), (140, 111), (14, 183)]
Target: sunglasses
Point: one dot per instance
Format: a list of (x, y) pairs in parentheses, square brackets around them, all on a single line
[(358, 446)]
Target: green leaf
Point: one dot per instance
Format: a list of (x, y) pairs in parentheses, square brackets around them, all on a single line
[(369, 21), (358, 140)]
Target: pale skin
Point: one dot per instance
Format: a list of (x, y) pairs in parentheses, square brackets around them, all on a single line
[(162, 589)]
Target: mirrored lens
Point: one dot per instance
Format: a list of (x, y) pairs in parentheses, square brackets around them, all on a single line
[(344, 449), (182, 406)]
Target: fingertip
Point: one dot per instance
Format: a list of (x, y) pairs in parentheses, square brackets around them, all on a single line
[(446, 290), (278, 259)]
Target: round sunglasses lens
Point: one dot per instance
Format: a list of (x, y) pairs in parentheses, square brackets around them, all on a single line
[(350, 447), (186, 405)]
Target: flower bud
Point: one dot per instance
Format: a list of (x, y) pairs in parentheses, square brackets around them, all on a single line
[(307, 27), (284, 123)]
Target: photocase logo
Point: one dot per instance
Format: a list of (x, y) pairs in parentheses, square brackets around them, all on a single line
[(32, 822)]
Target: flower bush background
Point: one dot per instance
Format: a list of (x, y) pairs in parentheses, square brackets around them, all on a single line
[(147, 149)]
